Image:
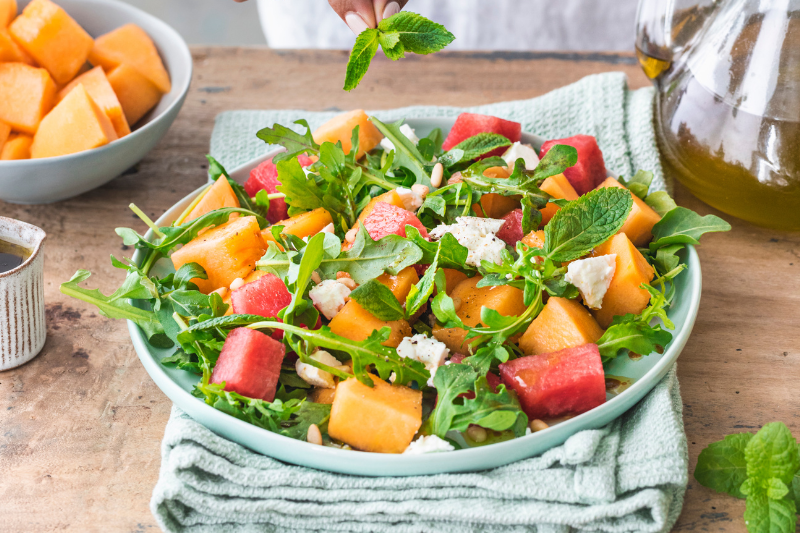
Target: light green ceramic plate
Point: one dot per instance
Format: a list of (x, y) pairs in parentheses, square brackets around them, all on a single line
[(646, 371)]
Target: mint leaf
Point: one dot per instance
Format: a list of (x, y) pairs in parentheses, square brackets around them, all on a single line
[(391, 45), (474, 147), (660, 202), (763, 514), (417, 34), (379, 300), (586, 223), (364, 50), (772, 453), (721, 466), (684, 226)]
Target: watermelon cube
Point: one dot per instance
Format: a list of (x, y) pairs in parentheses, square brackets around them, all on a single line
[(511, 232), (590, 170), (250, 364), (264, 297), (567, 382), (265, 177), (387, 219), (470, 124)]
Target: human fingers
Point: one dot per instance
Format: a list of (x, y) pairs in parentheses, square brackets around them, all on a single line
[(357, 14), (386, 8)]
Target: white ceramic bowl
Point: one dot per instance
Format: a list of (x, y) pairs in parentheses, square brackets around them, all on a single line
[(39, 181)]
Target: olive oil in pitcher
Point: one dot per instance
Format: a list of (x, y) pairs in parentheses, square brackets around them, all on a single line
[(12, 255)]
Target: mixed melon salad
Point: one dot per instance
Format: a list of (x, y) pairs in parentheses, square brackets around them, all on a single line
[(368, 289)]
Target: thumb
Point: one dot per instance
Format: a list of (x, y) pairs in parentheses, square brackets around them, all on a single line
[(386, 8)]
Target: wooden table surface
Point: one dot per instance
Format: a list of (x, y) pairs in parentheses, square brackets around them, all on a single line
[(81, 425)]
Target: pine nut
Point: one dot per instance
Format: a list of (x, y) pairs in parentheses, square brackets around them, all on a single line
[(315, 277), (314, 435), (350, 236), (420, 189), (222, 291), (342, 274), (347, 282), (436, 175), (329, 228), (457, 303), (477, 433), (538, 425), (237, 283)]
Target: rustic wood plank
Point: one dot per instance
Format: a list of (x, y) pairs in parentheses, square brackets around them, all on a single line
[(82, 423)]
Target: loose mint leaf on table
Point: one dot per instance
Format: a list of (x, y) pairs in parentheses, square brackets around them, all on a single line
[(379, 300), (772, 453), (400, 33), (587, 222), (684, 226)]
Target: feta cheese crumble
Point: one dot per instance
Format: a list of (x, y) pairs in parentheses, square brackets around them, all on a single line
[(525, 151), (592, 277), (406, 130), (426, 350), (329, 297), (428, 444), (478, 236), (315, 376), (411, 200)]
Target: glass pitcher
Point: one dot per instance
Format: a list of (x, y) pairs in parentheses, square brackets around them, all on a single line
[(727, 74)]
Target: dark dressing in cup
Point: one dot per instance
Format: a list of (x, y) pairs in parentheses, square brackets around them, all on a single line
[(12, 255)]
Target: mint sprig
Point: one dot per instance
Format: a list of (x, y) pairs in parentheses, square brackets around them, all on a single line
[(396, 35), (762, 468)]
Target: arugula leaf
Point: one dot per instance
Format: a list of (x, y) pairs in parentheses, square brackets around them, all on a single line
[(628, 333), (660, 202), (639, 184), (557, 159), (450, 381), (684, 226), (364, 49), (379, 300), (182, 279), (722, 467), (473, 147), (397, 34), (300, 310), (586, 222), (666, 258), (442, 305), (406, 154), (450, 252)]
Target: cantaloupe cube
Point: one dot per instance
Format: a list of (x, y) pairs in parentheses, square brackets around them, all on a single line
[(493, 205), (340, 128), (557, 186), (131, 45), (53, 38), (8, 11), (5, 132), (356, 323), (226, 252), (26, 96), (383, 418), (561, 324), (400, 285), (76, 124), (452, 278), (639, 224), (624, 295), (96, 84), (10, 52), (137, 94), (507, 301), (303, 225), (18, 146), (534, 239), (218, 196)]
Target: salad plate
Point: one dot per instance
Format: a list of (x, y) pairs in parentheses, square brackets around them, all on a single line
[(642, 372)]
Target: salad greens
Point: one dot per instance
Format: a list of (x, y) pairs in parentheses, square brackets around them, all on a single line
[(175, 314), (764, 469), (402, 32)]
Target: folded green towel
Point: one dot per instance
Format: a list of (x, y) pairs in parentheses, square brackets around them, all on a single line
[(628, 476)]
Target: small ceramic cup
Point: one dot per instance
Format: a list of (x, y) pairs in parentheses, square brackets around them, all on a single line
[(22, 327)]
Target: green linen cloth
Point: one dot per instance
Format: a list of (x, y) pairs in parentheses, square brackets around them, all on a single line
[(629, 476)]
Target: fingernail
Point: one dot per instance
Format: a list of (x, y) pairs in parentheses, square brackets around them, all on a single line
[(392, 8), (356, 22)]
